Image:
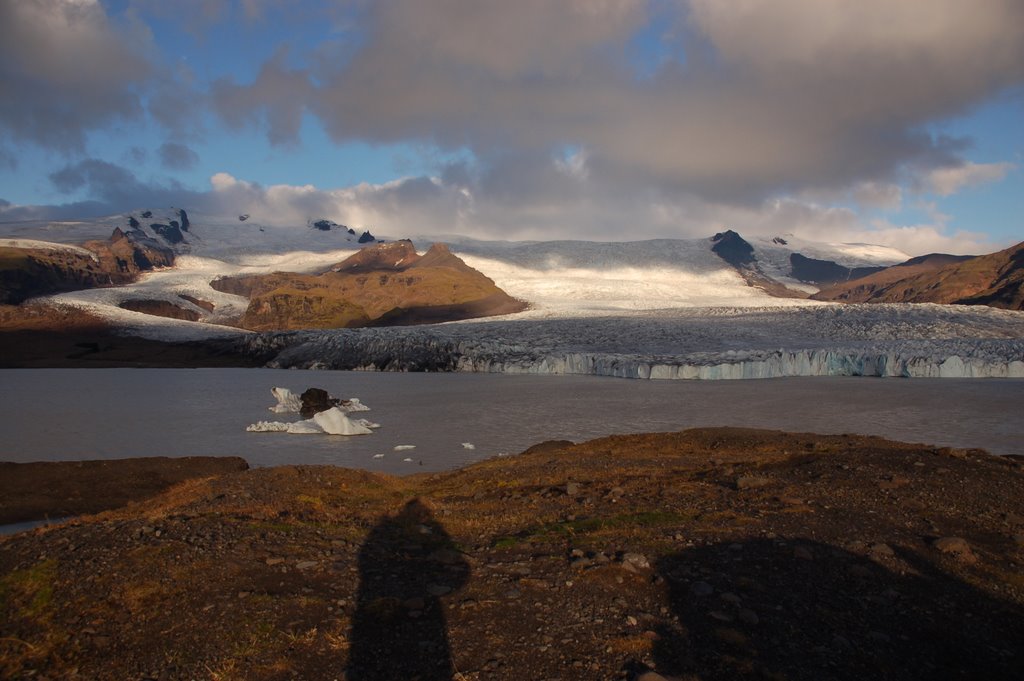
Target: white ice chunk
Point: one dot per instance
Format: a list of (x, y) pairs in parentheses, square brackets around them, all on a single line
[(468, 445), (334, 422), (366, 423), (406, 459), (402, 448), (309, 427), (287, 401), (353, 404), (267, 427), (378, 456)]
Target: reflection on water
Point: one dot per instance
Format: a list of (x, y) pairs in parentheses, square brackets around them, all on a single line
[(64, 414)]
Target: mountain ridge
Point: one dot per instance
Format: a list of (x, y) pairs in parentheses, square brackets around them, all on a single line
[(995, 279)]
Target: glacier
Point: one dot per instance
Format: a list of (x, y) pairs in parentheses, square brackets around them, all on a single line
[(911, 341)]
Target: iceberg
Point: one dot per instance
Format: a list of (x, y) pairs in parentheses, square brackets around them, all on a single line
[(290, 403), (353, 404), (287, 401), (332, 422), (335, 422), (309, 427)]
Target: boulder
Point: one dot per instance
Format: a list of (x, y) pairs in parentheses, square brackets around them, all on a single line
[(316, 400)]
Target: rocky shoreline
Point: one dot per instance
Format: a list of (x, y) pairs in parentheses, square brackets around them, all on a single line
[(706, 554)]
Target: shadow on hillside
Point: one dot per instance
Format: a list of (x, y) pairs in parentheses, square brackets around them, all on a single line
[(399, 631), (806, 610)]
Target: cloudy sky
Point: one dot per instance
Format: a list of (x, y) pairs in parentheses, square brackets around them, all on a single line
[(889, 122)]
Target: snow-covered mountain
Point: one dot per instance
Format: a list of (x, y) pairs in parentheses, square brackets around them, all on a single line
[(557, 278)]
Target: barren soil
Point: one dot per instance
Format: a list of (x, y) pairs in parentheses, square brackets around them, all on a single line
[(707, 554)]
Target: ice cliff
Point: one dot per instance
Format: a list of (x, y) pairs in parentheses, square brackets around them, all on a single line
[(852, 340)]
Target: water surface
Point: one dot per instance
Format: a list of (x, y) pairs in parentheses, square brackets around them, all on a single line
[(74, 414)]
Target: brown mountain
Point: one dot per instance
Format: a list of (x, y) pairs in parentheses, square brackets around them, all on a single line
[(996, 279), (29, 272), (382, 285)]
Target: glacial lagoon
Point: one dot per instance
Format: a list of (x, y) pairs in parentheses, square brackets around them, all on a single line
[(76, 414)]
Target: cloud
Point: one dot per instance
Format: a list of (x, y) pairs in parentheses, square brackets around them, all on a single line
[(467, 202), (772, 97), (948, 180), (277, 98), (882, 195), (113, 189), (176, 156), (66, 68), (135, 156), (98, 176), (7, 159)]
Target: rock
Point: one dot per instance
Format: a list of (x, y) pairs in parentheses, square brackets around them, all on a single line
[(894, 482), (316, 400), (748, 616), (366, 237), (1019, 539), (438, 589), (185, 224), (572, 488), (752, 482), (730, 597), (955, 546), (637, 560), (880, 550), (243, 217), (701, 589), (416, 603), (274, 561), (306, 564), (650, 676)]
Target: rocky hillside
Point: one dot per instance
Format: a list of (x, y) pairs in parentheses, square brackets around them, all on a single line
[(385, 284), (710, 554), (735, 250), (28, 272), (35, 268), (996, 280)]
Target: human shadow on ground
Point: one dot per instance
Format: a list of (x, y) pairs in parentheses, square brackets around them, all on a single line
[(770, 609), (406, 563)]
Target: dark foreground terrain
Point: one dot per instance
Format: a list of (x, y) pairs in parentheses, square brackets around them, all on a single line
[(707, 554), (40, 336)]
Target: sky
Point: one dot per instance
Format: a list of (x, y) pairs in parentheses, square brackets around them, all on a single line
[(899, 123)]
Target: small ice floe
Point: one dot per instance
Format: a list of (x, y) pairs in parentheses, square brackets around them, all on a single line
[(332, 422), (407, 459), (402, 448), (468, 445), (378, 456), (366, 423), (287, 401), (267, 427), (353, 404)]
